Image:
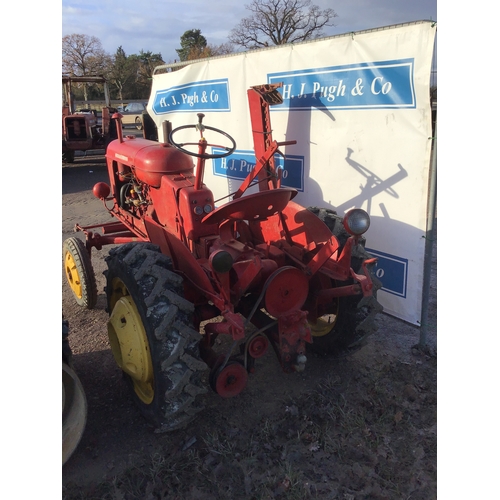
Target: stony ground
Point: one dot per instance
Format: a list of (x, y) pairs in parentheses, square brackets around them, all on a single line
[(358, 427)]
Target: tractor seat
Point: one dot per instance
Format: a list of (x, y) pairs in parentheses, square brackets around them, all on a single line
[(253, 207)]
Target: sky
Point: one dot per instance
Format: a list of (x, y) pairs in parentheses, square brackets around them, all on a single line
[(157, 25)]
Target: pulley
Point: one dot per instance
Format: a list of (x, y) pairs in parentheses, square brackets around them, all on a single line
[(230, 380)]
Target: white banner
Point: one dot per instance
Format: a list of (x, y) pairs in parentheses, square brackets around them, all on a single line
[(358, 106)]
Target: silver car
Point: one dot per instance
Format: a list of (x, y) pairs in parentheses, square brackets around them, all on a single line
[(132, 114)]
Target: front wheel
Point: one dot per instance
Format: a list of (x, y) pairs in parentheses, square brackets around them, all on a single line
[(151, 335), (138, 123), (79, 272)]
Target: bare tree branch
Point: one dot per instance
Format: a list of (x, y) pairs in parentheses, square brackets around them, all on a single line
[(276, 22), (83, 55)]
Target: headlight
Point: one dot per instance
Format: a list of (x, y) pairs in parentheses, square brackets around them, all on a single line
[(356, 221)]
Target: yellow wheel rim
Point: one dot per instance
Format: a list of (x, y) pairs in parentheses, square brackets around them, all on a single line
[(129, 342), (325, 324), (72, 275)]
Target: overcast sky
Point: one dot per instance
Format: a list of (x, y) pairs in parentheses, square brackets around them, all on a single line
[(157, 25)]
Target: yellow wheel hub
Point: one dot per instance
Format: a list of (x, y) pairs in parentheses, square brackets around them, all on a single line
[(129, 342), (72, 275), (323, 325)]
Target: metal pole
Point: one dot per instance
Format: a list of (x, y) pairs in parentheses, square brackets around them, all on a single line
[(429, 242)]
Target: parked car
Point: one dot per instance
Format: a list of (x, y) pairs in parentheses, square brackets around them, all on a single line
[(132, 114)]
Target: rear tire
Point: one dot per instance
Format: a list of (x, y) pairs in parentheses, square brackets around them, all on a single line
[(138, 123), (74, 402), (354, 318), (80, 273), (151, 335), (74, 411)]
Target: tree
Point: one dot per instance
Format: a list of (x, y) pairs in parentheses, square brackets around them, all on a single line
[(120, 73), (83, 55), (146, 63), (210, 51), (131, 76), (277, 22), (192, 42)]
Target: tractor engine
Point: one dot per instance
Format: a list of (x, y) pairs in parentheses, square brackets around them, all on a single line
[(134, 195)]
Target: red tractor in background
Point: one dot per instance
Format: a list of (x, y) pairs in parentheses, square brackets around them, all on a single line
[(85, 130), (259, 270)]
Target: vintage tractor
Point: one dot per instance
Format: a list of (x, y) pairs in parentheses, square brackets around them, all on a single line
[(84, 130), (196, 289)]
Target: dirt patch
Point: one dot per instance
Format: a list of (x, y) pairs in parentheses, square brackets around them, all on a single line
[(358, 427)]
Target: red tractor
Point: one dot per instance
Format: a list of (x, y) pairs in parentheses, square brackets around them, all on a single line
[(84, 130), (258, 270)]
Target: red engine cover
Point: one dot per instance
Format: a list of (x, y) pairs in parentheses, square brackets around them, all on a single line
[(149, 160)]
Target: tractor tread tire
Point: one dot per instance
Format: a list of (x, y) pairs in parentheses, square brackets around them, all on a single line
[(179, 372), (83, 263), (67, 354), (357, 317), (74, 408)]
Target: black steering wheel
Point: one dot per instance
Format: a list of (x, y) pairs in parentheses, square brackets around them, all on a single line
[(200, 127)]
